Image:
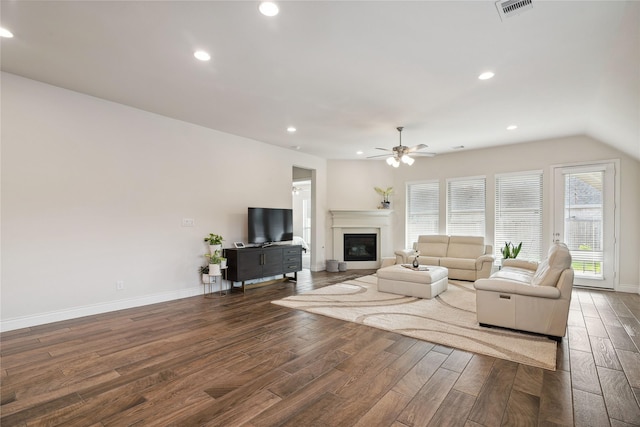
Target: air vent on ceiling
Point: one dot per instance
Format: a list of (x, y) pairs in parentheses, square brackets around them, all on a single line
[(509, 8)]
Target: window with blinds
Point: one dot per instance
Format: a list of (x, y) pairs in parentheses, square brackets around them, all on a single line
[(423, 204), (519, 213), (466, 206)]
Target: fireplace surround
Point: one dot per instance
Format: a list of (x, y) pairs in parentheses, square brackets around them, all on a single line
[(371, 222)]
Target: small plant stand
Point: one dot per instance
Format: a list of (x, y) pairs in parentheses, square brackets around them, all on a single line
[(209, 291)]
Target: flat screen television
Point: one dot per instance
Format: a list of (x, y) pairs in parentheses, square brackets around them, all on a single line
[(268, 225)]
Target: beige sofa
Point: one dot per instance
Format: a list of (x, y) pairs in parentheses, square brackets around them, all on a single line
[(466, 257), (528, 296)]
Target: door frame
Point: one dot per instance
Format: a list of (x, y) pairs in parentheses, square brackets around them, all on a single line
[(616, 211), (313, 203)]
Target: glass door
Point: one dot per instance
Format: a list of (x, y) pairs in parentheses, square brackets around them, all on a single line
[(585, 220)]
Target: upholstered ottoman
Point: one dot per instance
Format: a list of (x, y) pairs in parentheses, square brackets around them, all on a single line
[(397, 279)]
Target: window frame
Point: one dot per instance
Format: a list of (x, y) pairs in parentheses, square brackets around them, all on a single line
[(532, 247), (409, 232), (482, 230)]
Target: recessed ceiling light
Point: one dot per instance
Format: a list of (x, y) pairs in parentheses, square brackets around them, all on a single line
[(512, 127), (268, 8), (486, 75), (291, 129), (5, 33), (359, 152), (202, 55)]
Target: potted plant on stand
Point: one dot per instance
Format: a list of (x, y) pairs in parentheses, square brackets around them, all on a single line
[(215, 242), (386, 204), (204, 271), (214, 263)]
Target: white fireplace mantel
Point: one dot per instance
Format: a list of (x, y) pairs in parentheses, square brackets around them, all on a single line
[(362, 221), (365, 218)]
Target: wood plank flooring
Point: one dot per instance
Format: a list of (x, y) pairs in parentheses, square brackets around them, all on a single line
[(240, 360)]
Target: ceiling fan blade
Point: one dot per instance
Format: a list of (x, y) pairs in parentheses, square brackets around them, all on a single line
[(417, 147), (383, 149), (423, 154), (380, 155)]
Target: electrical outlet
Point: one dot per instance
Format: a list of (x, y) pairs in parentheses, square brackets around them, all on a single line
[(188, 222), (119, 285)]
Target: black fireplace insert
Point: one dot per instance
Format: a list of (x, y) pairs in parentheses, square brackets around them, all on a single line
[(360, 247)]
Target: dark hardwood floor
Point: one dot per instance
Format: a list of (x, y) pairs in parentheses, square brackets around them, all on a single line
[(240, 360)]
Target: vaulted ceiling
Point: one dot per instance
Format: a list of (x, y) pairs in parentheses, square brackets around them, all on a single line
[(347, 73)]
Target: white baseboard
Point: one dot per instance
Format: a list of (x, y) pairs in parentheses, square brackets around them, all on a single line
[(628, 288), (318, 266), (89, 310)]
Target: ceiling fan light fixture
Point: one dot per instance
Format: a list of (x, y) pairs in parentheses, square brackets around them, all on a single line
[(401, 153), (407, 160)]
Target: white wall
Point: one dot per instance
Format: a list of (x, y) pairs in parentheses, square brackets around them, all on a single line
[(94, 192), (347, 175), (356, 192)]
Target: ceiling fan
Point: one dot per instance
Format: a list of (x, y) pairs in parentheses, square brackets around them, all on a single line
[(401, 153)]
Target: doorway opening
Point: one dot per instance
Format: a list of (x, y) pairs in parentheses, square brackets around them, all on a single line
[(302, 194)]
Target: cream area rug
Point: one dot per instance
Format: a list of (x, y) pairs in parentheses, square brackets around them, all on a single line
[(448, 319)]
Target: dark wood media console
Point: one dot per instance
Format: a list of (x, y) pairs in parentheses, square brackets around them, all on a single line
[(255, 263)]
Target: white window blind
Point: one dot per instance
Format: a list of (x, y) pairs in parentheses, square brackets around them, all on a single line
[(519, 213), (466, 206), (423, 204)]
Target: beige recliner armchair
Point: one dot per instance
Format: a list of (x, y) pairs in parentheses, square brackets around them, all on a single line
[(528, 296)]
